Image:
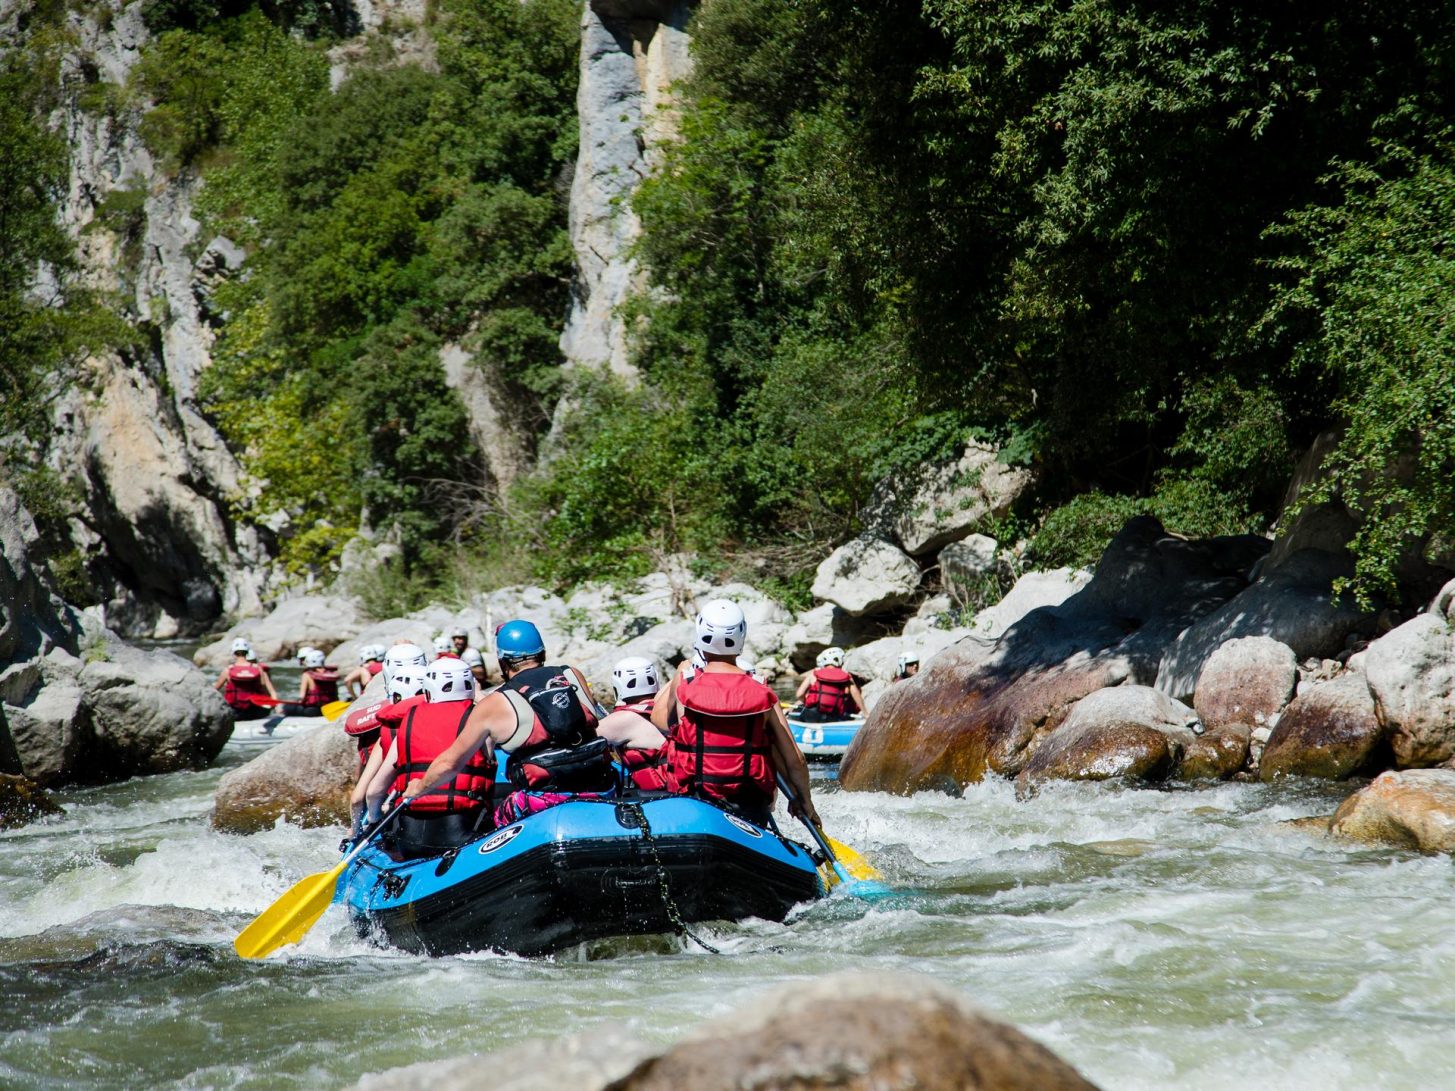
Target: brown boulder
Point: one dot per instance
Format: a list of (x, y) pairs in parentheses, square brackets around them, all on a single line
[(1246, 681), (1216, 754), (984, 706), (1330, 730), (1408, 809), (304, 780), (848, 1032), (22, 801), (1127, 732)]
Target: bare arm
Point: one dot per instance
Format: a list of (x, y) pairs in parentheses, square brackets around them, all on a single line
[(268, 684), (491, 721), (858, 696), (803, 686), (305, 684), (377, 786), (221, 679), (666, 701), (585, 688), (788, 760)]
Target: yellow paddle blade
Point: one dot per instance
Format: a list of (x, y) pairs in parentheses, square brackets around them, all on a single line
[(853, 862), (334, 709), (292, 915)]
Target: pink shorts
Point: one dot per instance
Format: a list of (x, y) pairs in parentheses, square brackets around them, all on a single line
[(519, 805)]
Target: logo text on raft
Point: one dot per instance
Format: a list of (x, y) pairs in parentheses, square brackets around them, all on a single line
[(495, 840), (746, 827)]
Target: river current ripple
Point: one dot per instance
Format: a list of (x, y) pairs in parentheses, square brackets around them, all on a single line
[(1183, 938)]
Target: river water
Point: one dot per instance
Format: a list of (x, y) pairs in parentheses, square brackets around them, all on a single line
[(1152, 938)]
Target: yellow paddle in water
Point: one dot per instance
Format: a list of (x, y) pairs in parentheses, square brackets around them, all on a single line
[(334, 709), (854, 863), (291, 916)]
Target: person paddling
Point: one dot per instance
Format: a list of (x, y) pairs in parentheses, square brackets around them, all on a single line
[(629, 728), (456, 807), (545, 718), (243, 681), (828, 692), (730, 739), (317, 686), (370, 664)]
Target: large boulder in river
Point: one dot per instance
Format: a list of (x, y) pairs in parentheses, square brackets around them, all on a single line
[(1330, 730), (1292, 602), (866, 576), (1216, 754), (1124, 732), (1410, 808), (305, 780), (983, 706), (1246, 681), (317, 621), (847, 1032), (1411, 672)]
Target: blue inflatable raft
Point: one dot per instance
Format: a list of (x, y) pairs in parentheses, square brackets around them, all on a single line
[(827, 741), (583, 870)]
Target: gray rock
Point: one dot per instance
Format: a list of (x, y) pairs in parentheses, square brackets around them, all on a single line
[(320, 621), (823, 626), (1246, 681), (496, 432), (1032, 591), (965, 561), (50, 730), (865, 576), (1411, 672), (304, 780), (32, 620), (943, 503)]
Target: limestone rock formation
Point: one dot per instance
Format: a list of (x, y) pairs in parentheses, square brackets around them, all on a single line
[(845, 1031), (1329, 730), (1246, 681), (1411, 808), (319, 621), (963, 562), (304, 780), (983, 706), (1031, 591), (865, 576), (632, 52), (944, 503), (1411, 672)]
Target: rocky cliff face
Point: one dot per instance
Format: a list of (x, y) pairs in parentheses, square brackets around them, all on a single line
[(154, 477), (632, 52)]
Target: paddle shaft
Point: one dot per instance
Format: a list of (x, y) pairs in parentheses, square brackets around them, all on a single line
[(828, 850)]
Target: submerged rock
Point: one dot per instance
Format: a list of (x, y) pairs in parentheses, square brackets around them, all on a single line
[(22, 801), (304, 780), (1330, 730), (845, 1031), (1410, 808)]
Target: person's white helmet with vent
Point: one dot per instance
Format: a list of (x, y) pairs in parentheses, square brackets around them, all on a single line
[(370, 651), (241, 645), (442, 644), (406, 682), (906, 658), (401, 656), (303, 654), (635, 676), (313, 660), (721, 628), (830, 657), (448, 679)]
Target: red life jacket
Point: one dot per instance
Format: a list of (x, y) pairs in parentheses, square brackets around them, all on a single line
[(244, 682), (427, 732), (721, 746), (373, 666), (829, 692), (325, 686), (648, 768)]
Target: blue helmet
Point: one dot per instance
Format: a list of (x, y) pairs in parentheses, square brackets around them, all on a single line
[(518, 639)]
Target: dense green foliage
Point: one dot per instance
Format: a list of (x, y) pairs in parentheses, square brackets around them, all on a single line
[(407, 209), (1096, 230)]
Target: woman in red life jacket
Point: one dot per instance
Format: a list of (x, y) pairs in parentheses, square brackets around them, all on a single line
[(629, 728), (828, 692), (243, 682), (317, 686), (545, 718), (730, 739), (458, 806)]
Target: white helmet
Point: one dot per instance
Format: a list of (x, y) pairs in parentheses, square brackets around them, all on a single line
[(721, 628), (830, 657), (442, 644), (906, 658), (241, 645), (406, 682), (252, 656), (313, 660), (302, 654), (370, 651), (635, 676), (460, 630), (448, 680), (401, 656)]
